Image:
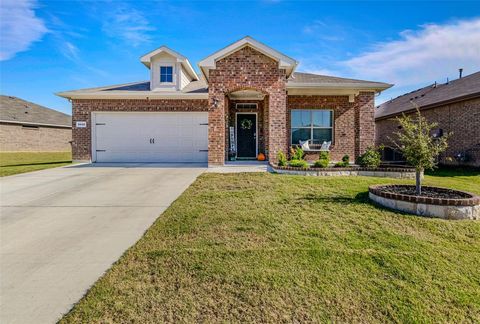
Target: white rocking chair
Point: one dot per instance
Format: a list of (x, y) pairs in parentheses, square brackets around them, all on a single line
[(310, 146)]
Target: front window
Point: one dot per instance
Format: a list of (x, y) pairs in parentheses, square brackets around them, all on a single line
[(166, 74), (312, 124)]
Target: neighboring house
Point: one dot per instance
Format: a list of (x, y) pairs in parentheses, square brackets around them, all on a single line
[(28, 127), (455, 106), (248, 100)]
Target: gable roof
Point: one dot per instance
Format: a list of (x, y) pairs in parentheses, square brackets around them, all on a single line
[(146, 59), (19, 111), (310, 80), (431, 96), (284, 61)]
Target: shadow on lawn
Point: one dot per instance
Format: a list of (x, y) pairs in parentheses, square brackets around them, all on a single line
[(39, 163), (454, 172), (360, 198)]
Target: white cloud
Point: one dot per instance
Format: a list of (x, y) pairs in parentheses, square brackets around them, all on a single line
[(431, 53), (128, 24), (70, 51), (19, 27)]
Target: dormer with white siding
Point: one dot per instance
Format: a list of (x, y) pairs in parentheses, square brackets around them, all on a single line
[(169, 70)]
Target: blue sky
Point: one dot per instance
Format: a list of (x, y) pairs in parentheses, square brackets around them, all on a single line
[(51, 46)]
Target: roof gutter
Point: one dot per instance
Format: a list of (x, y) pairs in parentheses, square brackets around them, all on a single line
[(130, 95), (343, 85)]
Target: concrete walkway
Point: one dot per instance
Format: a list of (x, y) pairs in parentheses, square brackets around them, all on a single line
[(241, 166), (61, 229)]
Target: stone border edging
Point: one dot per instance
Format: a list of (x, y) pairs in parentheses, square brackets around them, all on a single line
[(404, 173), (469, 200), (353, 168)]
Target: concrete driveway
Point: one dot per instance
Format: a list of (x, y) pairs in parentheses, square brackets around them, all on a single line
[(61, 229)]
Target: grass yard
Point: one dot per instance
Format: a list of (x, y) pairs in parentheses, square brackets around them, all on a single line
[(277, 248), (21, 162)]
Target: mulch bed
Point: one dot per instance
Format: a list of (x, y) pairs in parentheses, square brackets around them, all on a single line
[(430, 192)]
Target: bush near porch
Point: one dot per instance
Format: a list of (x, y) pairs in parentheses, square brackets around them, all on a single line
[(277, 248)]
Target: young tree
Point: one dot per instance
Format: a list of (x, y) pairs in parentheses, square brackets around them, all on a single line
[(419, 148)]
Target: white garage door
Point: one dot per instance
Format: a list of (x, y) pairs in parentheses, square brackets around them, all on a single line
[(150, 137)]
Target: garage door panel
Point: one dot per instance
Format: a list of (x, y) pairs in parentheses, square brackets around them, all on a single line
[(126, 137)]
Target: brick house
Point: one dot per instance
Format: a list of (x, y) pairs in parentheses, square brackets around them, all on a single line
[(28, 127), (248, 100), (454, 106)]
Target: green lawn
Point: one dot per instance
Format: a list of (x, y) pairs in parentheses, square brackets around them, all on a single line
[(277, 248), (20, 162)]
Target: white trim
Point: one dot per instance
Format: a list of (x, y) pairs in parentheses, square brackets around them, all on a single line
[(340, 85), (311, 126), (256, 134), (33, 124), (145, 59), (174, 72), (119, 94)]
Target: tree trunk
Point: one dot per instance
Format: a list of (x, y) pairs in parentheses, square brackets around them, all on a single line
[(418, 181)]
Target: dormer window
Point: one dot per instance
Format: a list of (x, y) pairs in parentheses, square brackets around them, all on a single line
[(166, 74)]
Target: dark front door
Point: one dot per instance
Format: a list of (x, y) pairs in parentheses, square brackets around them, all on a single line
[(246, 135)]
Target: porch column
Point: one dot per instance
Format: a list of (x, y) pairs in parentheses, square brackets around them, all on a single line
[(216, 129), (277, 123)]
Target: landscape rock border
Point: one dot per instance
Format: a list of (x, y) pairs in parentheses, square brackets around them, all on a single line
[(446, 208), (395, 172)]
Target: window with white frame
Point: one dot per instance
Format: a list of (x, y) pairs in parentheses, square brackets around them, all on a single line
[(166, 74), (311, 124)]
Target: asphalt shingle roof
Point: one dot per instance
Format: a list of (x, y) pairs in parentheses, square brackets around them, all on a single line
[(192, 87), (431, 95), (13, 109), (201, 86), (301, 77)]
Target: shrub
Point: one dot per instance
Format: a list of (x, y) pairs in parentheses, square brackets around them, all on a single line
[(298, 164), (371, 158), (296, 153), (344, 163), (282, 159), (323, 160), (321, 163)]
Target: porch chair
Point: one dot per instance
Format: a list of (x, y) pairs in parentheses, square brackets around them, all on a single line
[(314, 146)]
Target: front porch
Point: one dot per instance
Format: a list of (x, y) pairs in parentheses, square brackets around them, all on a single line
[(246, 125)]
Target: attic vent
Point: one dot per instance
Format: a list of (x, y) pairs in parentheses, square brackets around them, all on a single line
[(33, 127)]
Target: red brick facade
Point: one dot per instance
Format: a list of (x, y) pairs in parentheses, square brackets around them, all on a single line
[(462, 119), (246, 69), (353, 126), (82, 108)]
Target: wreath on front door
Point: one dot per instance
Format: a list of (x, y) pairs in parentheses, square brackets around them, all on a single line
[(246, 124)]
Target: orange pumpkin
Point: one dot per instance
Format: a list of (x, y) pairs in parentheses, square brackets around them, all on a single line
[(261, 157)]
